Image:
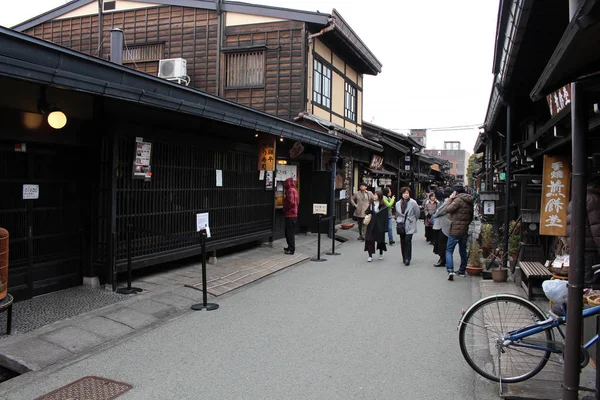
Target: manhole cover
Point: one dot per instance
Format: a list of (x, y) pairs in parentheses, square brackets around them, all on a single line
[(89, 388)]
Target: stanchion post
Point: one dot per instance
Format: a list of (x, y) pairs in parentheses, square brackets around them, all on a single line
[(129, 289), (205, 305), (318, 257), (332, 252)]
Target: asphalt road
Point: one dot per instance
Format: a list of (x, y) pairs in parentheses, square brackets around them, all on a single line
[(342, 329)]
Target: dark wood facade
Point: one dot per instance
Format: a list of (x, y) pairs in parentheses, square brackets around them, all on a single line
[(189, 33)]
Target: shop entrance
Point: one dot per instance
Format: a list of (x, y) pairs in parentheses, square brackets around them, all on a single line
[(46, 233)]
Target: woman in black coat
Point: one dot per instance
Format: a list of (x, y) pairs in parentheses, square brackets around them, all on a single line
[(378, 226)]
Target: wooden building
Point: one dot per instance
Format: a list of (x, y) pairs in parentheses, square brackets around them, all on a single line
[(202, 155), (293, 64)]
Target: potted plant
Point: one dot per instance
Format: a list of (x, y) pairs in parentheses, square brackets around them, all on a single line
[(487, 239), (500, 274), (474, 263), (514, 243)]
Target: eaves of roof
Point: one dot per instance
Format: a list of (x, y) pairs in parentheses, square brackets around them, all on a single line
[(231, 6), (341, 132), (31, 59), (394, 135)]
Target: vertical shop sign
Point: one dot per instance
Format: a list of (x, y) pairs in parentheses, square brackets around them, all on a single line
[(558, 100), (555, 195), (266, 155), (141, 159)]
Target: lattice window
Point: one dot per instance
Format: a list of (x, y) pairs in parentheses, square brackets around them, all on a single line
[(245, 69), (350, 102), (322, 84), (145, 52)]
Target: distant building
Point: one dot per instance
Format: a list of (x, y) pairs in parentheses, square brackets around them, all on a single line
[(419, 136), (458, 158)]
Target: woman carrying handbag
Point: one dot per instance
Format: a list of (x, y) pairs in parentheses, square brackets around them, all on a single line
[(377, 214), (407, 215)]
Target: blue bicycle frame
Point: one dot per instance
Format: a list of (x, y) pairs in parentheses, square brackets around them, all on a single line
[(517, 335)]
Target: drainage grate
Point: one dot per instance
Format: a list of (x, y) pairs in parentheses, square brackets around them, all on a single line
[(89, 388)]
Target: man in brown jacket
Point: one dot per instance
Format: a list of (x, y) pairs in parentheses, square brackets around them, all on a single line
[(361, 201), (460, 209)]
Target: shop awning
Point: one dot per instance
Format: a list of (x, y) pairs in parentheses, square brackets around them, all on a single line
[(31, 59), (381, 172), (577, 52)]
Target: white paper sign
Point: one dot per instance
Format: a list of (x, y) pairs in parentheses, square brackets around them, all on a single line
[(343, 194), (202, 223), (31, 192), (261, 175), (286, 171), (219, 178), (489, 207), (320, 209)]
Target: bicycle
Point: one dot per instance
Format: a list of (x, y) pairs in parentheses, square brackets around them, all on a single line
[(517, 336)]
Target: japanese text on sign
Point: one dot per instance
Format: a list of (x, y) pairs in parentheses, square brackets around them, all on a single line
[(558, 100), (202, 223), (320, 209), (266, 155), (31, 192), (376, 162), (555, 196)]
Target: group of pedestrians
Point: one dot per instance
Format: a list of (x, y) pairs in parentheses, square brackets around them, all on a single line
[(448, 214)]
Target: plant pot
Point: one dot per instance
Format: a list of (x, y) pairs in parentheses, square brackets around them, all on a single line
[(348, 225), (499, 274), (486, 274), (474, 271)]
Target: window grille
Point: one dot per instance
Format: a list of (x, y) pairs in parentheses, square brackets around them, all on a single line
[(245, 69), (350, 102), (146, 52), (322, 84)]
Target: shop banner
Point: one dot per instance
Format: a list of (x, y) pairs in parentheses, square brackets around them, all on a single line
[(556, 183), (266, 155), (558, 100)]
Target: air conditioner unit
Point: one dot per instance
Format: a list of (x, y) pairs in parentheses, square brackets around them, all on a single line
[(172, 68)]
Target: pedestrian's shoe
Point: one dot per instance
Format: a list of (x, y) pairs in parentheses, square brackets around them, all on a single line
[(369, 259), (439, 263), (381, 256), (286, 249), (461, 274), (392, 242), (451, 276), (407, 262), (290, 252)]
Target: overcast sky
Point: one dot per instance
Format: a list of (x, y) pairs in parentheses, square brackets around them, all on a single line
[(436, 55)]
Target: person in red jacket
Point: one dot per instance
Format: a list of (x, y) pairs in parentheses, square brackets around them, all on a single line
[(290, 212)]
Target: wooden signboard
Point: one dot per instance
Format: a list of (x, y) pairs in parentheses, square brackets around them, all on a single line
[(376, 162), (556, 183), (266, 155)]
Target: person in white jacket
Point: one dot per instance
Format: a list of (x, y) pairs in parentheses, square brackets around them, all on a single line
[(407, 215)]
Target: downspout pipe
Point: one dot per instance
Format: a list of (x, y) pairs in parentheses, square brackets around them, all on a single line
[(334, 159), (219, 10), (323, 31), (507, 181), (579, 130)]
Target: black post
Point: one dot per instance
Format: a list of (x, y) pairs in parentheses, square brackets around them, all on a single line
[(318, 257), (205, 305), (579, 127), (597, 358), (507, 184), (129, 289), (332, 252)]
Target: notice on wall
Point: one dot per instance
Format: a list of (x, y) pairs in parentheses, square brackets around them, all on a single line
[(219, 178), (31, 192), (286, 171), (141, 160), (261, 175), (489, 207), (556, 183), (202, 223)]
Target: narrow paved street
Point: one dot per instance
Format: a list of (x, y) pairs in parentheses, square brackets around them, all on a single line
[(342, 329)]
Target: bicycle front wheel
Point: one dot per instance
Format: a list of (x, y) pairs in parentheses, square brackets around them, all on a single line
[(482, 333)]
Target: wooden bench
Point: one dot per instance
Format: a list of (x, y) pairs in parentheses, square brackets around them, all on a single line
[(532, 272)]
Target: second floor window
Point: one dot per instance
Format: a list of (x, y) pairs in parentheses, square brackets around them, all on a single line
[(322, 84), (245, 69), (350, 102)]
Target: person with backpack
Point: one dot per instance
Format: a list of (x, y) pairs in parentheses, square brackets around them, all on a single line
[(460, 209)]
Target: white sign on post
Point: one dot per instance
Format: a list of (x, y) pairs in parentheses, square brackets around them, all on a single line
[(31, 192), (320, 209), (489, 207), (202, 223)]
